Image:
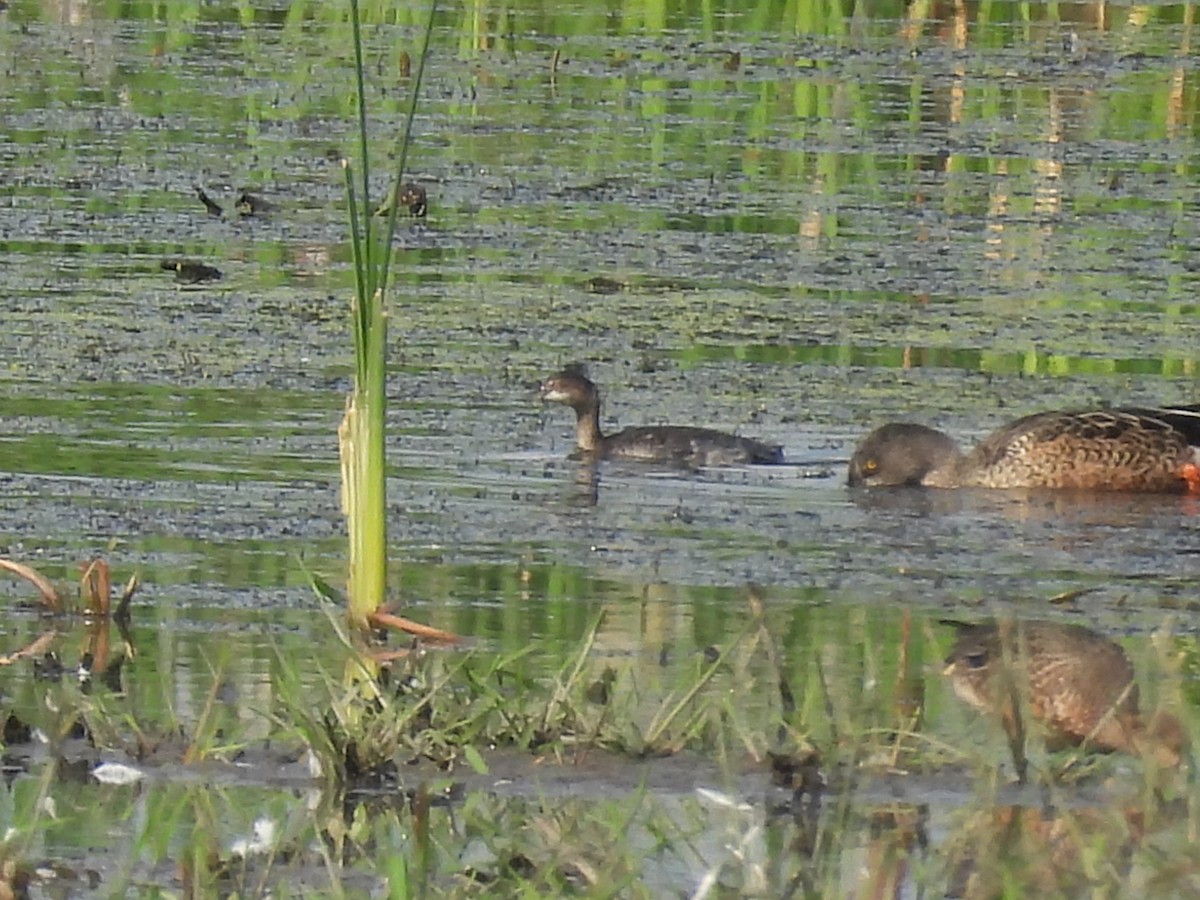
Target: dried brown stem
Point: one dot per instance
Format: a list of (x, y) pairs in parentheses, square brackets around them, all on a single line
[(383, 619), (50, 597)]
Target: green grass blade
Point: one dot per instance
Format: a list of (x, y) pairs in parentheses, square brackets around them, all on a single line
[(405, 139), (361, 305), (364, 159)]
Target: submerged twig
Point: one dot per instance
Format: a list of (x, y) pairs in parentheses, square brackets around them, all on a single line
[(122, 615), (787, 699), (1015, 698), (96, 587), (38, 646), (50, 597), (827, 701), (664, 717), (563, 688), (383, 619), (196, 751)]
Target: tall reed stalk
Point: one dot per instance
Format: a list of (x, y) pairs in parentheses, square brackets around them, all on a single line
[(361, 436)]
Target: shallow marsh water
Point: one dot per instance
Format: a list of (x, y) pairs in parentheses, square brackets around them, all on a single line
[(953, 215)]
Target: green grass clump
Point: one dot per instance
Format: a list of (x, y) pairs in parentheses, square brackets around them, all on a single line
[(362, 434)]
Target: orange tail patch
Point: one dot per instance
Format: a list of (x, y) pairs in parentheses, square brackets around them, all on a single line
[(1191, 474)]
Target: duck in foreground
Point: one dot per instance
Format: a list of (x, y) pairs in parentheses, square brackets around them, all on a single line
[(1132, 449), (678, 444), (1079, 686)]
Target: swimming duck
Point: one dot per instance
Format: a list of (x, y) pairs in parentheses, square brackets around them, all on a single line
[(1131, 449), (1079, 686), (253, 205), (678, 444), (409, 195), (190, 272)]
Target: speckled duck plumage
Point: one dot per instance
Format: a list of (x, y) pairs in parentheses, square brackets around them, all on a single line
[(1130, 449), (676, 444), (1078, 685)]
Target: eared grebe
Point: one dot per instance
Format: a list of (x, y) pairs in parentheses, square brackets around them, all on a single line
[(1078, 684), (1151, 450), (678, 444)]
